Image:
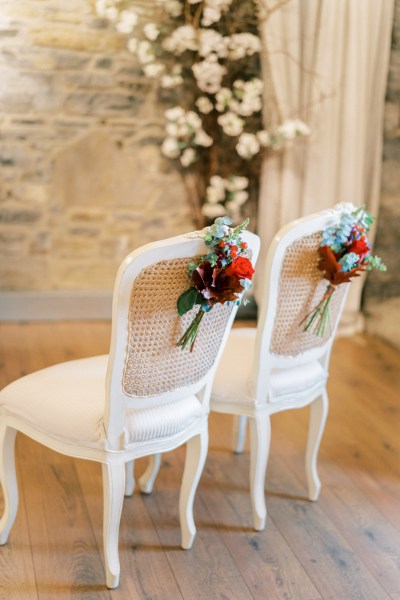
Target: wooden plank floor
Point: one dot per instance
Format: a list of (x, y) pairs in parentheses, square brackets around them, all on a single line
[(344, 547)]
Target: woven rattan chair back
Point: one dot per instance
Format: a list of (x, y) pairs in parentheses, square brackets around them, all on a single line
[(300, 289), (154, 364)]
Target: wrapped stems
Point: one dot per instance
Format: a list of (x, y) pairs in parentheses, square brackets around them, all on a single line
[(189, 337), (316, 320)]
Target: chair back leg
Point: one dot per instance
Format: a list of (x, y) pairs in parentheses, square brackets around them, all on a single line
[(8, 480), (129, 478), (146, 481), (239, 433), (113, 495), (196, 454), (260, 437), (318, 414)]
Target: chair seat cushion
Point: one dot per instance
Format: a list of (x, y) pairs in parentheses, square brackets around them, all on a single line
[(66, 401), (231, 382)]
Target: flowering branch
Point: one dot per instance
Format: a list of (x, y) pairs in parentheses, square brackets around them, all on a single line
[(205, 54)]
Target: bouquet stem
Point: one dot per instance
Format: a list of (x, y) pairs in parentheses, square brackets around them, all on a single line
[(189, 337), (315, 321)]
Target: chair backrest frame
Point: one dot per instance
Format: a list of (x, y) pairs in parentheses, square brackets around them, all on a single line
[(117, 401), (264, 359)]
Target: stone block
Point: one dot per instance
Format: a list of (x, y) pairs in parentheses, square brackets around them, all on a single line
[(13, 243), (392, 117), (382, 319), (71, 38), (20, 215), (29, 274), (390, 177)]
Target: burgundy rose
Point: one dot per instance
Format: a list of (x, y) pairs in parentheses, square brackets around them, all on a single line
[(216, 285)]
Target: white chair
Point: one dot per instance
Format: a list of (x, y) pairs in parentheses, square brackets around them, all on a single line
[(148, 396), (281, 365)]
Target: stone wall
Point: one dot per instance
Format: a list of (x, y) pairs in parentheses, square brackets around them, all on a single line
[(382, 291), (82, 179)]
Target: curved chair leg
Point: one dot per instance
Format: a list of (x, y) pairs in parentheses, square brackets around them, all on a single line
[(239, 433), (318, 414), (8, 481), (260, 436), (196, 453), (148, 478), (113, 495), (129, 478)]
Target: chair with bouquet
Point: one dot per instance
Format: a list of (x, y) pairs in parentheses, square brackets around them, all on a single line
[(150, 394), (285, 360)]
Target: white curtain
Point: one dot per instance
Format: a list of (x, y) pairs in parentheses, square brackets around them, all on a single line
[(325, 61)]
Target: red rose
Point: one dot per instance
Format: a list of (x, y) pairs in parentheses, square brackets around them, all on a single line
[(359, 247), (241, 268)]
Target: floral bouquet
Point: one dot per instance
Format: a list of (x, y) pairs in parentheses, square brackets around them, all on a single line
[(219, 277), (343, 254)]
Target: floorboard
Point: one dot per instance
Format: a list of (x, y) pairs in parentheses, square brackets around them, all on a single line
[(346, 546)]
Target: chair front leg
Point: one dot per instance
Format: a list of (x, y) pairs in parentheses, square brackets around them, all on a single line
[(146, 481), (113, 495), (318, 414), (260, 437), (8, 481), (196, 454)]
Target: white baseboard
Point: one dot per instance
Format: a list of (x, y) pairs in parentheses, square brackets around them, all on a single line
[(55, 305)]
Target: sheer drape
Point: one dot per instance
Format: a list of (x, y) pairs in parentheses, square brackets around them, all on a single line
[(325, 61)]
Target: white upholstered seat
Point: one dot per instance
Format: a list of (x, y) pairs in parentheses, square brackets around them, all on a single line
[(67, 401), (233, 384), (148, 396)]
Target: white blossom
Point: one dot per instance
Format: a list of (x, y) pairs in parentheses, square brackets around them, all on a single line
[(194, 1), (171, 81), (223, 98), (145, 52), (127, 21), (208, 74), (182, 38), (248, 145), (173, 7), (172, 129), (213, 210), (133, 45), (193, 119), (240, 197), (231, 124), (107, 9), (210, 15), (291, 128), (204, 105), (203, 139), (188, 157), (236, 183), (151, 31), (170, 147), (215, 194), (175, 113), (243, 44), (264, 138), (212, 41), (218, 182), (153, 69)]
